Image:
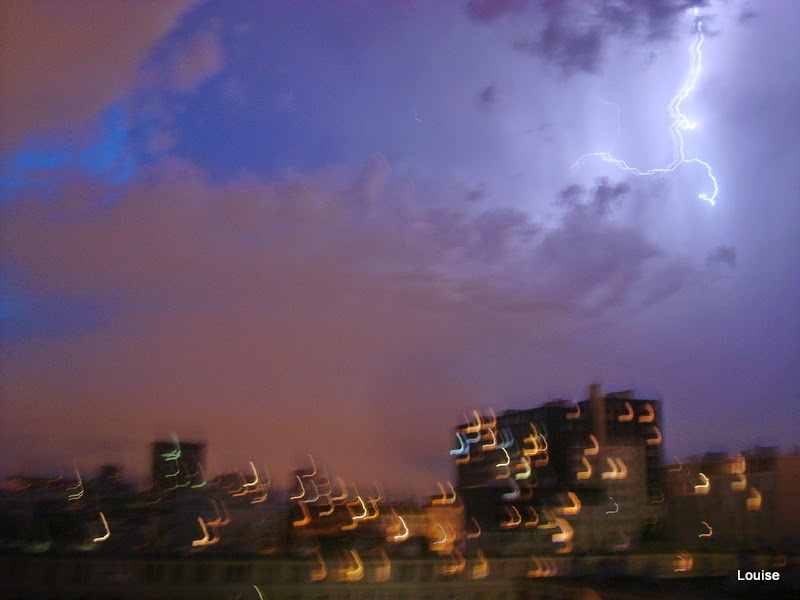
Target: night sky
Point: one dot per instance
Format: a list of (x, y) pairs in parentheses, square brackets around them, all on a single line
[(333, 227)]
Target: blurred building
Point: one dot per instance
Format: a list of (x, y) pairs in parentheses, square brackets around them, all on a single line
[(108, 484), (745, 502), (563, 476), (177, 464)]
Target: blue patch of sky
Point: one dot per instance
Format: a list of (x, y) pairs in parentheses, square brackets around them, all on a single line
[(286, 112), (270, 52), (224, 141), (47, 161)]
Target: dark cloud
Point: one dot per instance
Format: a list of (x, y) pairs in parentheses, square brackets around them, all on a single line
[(496, 231), (600, 200), (600, 262), (606, 196), (490, 10), (655, 18), (747, 15), (201, 230), (572, 35), (477, 193), (569, 49), (176, 238), (722, 255), (488, 97), (572, 195)]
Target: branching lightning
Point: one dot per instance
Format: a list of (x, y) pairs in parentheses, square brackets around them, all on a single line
[(680, 122)]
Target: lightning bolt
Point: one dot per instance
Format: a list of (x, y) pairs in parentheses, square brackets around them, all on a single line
[(680, 122)]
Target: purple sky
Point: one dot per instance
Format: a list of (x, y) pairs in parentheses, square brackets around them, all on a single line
[(333, 227)]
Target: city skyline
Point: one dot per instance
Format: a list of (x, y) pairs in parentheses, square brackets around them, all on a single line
[(159, 452)]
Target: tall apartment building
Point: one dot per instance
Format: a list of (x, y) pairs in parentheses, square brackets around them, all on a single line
[(177, 464), (745, 502), (586, 475)]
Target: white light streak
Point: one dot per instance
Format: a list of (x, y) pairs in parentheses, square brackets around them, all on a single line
[(104, 537), (616, 507), (708, 533), (403, 535), (680, 122), (78, 486)]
